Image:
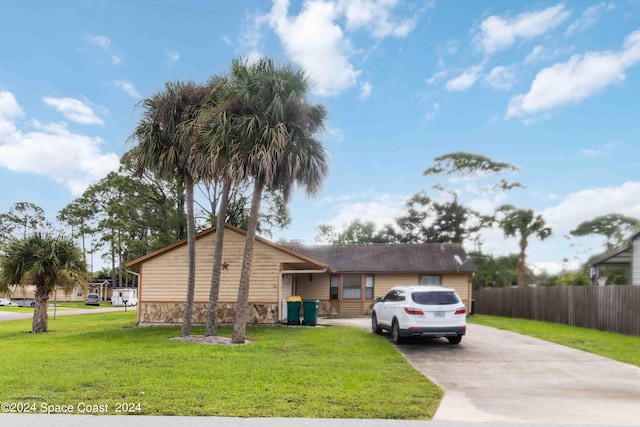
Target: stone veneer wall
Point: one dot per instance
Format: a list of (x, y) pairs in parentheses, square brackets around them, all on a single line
[(327, 308), (331, 308), (173, 312)]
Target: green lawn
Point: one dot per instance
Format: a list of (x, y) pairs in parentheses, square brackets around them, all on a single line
[(623, 348), (60, 306), (103, 359)]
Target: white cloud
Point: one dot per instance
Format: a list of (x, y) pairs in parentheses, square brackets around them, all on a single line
[(465, 80), (576, 79), (9, 110), (172, 56), (536, 54), (574, 209), (500, 77), (365, 90), (604, 151), (376, 16), (540, 53), (381, 209), (253, 57), (51, 150), (316, 38), (116, 58), (74, 110), (436, 77), (435, 109), (498, 33), (128, 88), (104, 43), (590, 203), (333, 134), (314, 41), (227, 40), (589, 17)]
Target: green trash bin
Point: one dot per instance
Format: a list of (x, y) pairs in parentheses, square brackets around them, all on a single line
[(310, 307), (293, 310)]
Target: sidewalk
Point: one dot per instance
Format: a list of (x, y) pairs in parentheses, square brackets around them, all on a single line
[(26, 420)]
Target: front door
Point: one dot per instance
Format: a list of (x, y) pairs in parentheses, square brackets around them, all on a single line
[(287, 290)]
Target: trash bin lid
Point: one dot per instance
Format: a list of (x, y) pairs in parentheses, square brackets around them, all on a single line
[(294, 298)]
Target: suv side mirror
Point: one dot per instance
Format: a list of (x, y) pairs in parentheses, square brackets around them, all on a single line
[(378, 299)]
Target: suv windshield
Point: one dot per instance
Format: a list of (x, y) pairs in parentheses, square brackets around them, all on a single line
[(434, 298)]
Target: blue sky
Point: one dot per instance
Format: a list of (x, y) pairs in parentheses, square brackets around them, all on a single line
[(551, 87)]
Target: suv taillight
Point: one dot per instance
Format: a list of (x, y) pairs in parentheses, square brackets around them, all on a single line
[(414, 311), (460, 311)]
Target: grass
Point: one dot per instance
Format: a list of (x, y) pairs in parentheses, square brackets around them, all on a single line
[(619, 347), (103, 359), (80, 304)]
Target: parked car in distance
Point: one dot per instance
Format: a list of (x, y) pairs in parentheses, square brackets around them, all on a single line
[(93, 299), (5, 302), (420, 311)]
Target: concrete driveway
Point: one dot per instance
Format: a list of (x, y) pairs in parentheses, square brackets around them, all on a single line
[(500, 376)]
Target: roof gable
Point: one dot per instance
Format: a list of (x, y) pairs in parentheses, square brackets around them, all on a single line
[(228, 227), (426, 257)]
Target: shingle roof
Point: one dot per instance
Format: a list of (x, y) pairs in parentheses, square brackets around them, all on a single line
[(427, 257)]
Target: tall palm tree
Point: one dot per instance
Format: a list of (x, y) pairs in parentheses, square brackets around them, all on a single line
[(46, 263), (272, 127), (165, 148), (212, 158), (522, 223)]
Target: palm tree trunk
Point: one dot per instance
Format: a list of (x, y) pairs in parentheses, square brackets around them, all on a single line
[(191, 256), (521, 258), (212, 313), (240, 315), (40, 317)]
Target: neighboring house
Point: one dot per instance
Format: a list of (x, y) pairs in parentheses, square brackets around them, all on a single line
[(29, 292), (346, 279), (101, 287), (628, 256)]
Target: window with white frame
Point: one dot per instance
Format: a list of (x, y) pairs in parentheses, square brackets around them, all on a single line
[(429, 280), (368, 283)]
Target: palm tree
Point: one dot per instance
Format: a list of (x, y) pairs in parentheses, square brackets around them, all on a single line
[(522, 223), (271, 125), (46, 263), (165, 148), (212, 158)]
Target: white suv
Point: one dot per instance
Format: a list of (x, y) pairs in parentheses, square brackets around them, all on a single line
[(420, 311)]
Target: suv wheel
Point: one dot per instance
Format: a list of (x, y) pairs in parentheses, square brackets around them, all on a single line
[(374, 324), (395, 333), (455, 340)]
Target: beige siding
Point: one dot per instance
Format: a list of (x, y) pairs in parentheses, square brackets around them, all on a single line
[(383, 282), (164, 278), (462, 285), (318, 288), (461, 282)]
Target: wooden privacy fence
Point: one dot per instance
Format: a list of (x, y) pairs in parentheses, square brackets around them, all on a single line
[(613, 308)]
